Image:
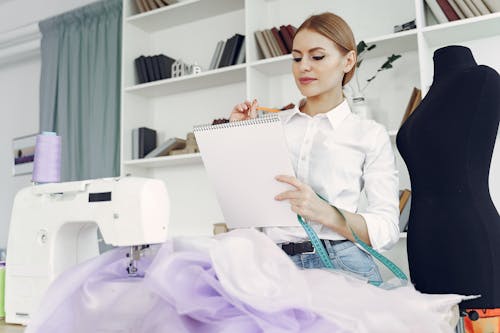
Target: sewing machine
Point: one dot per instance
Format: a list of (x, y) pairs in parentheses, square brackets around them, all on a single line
[(54, 226)]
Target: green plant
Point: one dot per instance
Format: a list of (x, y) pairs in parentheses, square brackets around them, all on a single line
[(362, 50)]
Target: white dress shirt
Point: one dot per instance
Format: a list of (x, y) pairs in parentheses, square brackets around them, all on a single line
[(339, 154)]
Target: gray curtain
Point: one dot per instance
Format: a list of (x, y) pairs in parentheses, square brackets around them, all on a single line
[(80, 88)]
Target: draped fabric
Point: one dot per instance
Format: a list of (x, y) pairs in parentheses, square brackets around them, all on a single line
[(235, 282), (80, 88)]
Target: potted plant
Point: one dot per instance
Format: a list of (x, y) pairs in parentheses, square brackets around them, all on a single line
[(358, 102)]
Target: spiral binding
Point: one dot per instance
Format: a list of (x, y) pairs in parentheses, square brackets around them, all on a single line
[(255, 121)]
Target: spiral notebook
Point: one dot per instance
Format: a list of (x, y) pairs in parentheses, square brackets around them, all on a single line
[(242, 159)]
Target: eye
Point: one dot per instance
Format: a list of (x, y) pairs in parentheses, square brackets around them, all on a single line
[(297, 59), (318, 57)]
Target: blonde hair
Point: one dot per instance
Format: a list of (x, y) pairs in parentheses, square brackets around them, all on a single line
[(336, 29)]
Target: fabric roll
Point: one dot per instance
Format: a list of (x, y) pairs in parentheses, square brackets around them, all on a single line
[(47, 164)]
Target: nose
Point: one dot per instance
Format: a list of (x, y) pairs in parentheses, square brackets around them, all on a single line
[(305, 65)]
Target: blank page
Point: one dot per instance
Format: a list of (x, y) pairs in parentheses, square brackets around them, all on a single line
[(242, 159)]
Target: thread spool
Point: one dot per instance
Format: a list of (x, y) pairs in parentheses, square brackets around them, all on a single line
[(47, 164)]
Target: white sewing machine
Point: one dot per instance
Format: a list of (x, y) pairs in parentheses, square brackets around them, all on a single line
[(54, 226)]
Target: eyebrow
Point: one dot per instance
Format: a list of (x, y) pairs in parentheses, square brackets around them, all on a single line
[(313, 49)]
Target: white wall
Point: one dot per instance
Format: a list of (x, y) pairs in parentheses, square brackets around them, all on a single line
[(19, 91)]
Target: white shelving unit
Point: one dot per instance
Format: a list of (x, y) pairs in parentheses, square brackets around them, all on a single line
[(191, 29)]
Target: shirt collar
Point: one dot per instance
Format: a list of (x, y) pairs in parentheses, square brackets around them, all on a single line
[(335, 115)]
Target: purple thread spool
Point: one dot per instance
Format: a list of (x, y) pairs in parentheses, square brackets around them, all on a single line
[(47, 165)]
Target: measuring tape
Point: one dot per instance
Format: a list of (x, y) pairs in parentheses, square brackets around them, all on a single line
[(325, 259)]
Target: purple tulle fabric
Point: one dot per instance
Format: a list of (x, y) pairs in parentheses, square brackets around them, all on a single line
[(236, 282)]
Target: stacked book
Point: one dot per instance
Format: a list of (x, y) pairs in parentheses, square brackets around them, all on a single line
[(143, 142), (415, 99), (229, 52), (404, 209), (405, 26), (152, 68), (275, 42), (452, 10), (147, 5)]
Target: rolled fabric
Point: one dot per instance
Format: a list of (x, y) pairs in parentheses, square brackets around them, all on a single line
[(47, 164)]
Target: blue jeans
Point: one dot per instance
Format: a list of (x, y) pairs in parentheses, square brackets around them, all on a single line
[(345, 256)]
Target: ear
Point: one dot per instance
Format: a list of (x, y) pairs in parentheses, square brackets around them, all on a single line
[(349, 61)]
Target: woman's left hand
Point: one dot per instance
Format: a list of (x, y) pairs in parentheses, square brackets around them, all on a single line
[(304, 201)]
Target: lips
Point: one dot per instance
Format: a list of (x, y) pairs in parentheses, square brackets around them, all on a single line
[(306, 80)]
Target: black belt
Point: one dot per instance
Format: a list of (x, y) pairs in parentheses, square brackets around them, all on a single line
[(305, 247)]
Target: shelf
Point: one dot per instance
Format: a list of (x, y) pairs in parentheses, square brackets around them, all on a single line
[(208, 79), (164, 161), (183, 12), (274, 66), (463, 30), (398, 42), (386, 45)]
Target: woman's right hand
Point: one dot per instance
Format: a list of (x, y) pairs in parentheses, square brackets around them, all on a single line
[(244, 111)]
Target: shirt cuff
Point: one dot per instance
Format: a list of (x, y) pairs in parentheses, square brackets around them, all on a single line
[(383, 233)]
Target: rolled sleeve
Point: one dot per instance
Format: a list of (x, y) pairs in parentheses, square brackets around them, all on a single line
[(381, 186)]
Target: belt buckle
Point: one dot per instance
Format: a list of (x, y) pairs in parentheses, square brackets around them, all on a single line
[(311, 252)]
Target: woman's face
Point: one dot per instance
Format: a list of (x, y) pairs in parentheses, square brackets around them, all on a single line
[(318, 65)]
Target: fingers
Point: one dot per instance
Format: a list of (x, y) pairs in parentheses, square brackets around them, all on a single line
[(290, 180), (253, 109), (245, 110), (288, 195)]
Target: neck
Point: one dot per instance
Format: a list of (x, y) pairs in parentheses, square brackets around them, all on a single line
[(450, 59), (322, 103)]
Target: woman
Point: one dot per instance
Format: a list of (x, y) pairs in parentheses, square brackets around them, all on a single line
[(335, 154)]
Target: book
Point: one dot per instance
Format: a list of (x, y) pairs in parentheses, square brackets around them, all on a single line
[(448, 10), (403, 199), (165, 63), (285, 35), (145, 4), (152, 4), (241, 54), (160, 3), (166, 147), (135, 144), (464, 8), (145, 141), (404, 209), (273, 44), (140, 6), (493, 5), (457, 9), (262, 45), (415, 99), (481, 7), (269, 43), (149, 68), (218, 49), (472, 7), (219, 57), (257, 148), (436, 11), (291, 30), (140, 67), (225, 60), (235, 49), (156, 68), (281, 43)]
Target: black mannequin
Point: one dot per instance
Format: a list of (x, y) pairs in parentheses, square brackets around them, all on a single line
[(447, 144)]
